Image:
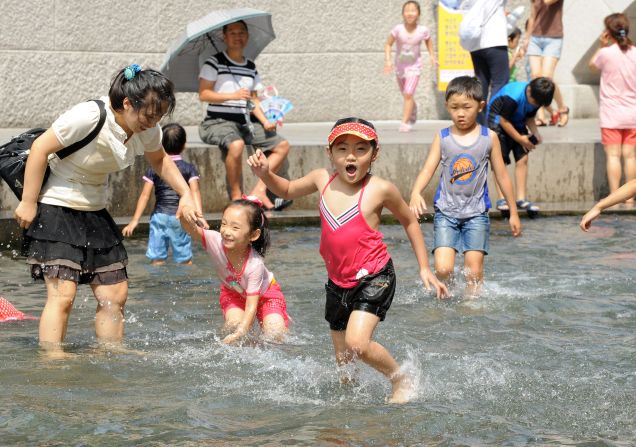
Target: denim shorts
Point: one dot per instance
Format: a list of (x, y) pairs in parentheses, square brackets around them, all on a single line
[(545, 46), (166, 231), (471, 233)]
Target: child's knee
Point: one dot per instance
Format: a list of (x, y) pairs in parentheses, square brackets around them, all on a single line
[(356, 345)]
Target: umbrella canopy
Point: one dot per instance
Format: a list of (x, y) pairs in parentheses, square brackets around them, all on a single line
[(188, 52)]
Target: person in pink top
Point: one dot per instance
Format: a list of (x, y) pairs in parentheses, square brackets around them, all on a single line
[(408, 37), (616, 60), (361, 281), (248, 290)]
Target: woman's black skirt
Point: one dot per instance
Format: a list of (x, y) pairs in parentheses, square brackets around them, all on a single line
[(81, 246)]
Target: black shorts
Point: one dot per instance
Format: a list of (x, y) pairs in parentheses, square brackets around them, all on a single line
[(508, 144), (373, 294)]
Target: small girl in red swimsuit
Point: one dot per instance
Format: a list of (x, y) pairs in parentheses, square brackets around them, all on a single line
[(361, 281)]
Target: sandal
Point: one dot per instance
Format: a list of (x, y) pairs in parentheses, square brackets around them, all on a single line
[(502, 205), (564, 117), (527, 206), (540, 123), (555, 118), (280, 204)]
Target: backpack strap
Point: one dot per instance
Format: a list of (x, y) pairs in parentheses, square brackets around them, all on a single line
[(65, 152)]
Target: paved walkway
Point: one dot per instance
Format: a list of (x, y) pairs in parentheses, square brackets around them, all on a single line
[(310, 134)]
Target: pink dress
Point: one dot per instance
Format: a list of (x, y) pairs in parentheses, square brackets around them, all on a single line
[(255, 279), (408, 58), (617, 109)]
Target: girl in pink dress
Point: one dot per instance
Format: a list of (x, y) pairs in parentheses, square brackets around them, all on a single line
[(248, 290), (408, 37), (616, 60)]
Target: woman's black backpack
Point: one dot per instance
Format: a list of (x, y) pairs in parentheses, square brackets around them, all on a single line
[(14, 154)]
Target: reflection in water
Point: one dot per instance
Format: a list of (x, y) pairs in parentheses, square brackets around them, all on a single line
[(545, 357)]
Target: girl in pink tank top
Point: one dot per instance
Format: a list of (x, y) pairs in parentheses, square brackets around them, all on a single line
[(361, 277)]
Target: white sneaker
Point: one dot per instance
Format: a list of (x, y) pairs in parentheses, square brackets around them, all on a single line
[(405, 127)]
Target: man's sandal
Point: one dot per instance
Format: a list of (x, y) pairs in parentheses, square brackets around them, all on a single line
[(564, 117), (529, 207)]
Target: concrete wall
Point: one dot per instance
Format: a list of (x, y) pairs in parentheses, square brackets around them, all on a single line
[(327, 58), (558, 172)]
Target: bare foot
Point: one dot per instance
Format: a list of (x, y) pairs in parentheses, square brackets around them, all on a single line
[(54, 351), (403, 388)]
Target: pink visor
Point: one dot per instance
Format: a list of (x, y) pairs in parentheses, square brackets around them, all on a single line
[(358, 129)]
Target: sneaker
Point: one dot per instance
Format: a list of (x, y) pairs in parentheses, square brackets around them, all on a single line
[(280, 204), (405, 127)]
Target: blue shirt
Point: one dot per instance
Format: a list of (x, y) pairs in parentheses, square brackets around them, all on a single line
[(166, 198), (511, 102)]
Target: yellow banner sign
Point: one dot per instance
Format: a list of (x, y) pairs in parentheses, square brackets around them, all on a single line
[(452, 58)]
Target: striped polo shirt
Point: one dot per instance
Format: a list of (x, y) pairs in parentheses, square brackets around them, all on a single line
[(228, 77)]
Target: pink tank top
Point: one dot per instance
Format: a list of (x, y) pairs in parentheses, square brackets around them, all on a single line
[(350, 248)]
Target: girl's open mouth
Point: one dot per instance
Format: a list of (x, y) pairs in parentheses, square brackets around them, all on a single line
[(351, 169)]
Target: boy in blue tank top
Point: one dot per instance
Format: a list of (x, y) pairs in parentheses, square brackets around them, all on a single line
[(165, 229), (461, 203), (511, 112)]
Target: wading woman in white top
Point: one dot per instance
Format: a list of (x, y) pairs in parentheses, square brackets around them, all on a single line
[(70, 238)]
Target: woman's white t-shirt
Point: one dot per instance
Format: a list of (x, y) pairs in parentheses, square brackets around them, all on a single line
[(80, 180)]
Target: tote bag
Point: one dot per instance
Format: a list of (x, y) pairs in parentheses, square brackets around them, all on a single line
[(473, 23)]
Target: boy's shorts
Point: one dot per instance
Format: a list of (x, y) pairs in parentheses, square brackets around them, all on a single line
[(221, 132), (472, 233), (373, 294), (618, 136), (166, 231), (508, 144), (545, 46), (271, 302)]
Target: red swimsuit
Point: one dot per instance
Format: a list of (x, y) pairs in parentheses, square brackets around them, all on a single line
[(350, 248)]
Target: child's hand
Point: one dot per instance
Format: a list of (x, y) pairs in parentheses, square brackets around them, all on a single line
[(586, 221), (128, 229), (269, 126), (258, 163), (234, 337), (433, 60), (388, 67), (526, 143), (242, 94), (417, 205), (515, 224), (430, 279)]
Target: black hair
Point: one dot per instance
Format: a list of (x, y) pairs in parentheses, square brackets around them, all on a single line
[(238, 21), (465, 85), (617, 26), (174, 138), (353, 119), (148, 89), (412, 2), (257, 220), (514, 33), (542, 90)]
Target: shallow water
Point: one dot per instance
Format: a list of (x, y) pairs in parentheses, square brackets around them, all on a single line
[(547, 356)]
